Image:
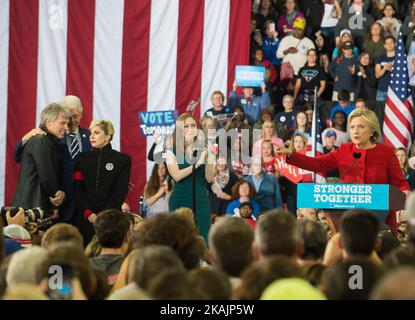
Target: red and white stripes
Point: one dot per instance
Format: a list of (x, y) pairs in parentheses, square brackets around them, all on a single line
[(120, 57)]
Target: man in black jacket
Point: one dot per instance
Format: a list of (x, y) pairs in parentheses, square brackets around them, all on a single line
[(68, 149), (39, 172)]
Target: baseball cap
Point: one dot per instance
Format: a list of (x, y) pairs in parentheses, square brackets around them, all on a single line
[(247, 203), (19, 234), (331, 133), (348, 45), (299, 23), (345, 31)]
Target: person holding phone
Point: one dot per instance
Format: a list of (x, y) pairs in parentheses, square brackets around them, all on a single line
[(270, 46)]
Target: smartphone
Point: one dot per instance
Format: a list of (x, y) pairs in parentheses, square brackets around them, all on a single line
[(272, 27), (64, 288)]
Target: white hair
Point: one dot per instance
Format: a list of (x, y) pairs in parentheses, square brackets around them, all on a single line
[(23, 265), (72, 102)]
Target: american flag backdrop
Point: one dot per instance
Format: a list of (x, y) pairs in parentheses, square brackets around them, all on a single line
[(315, 144), (120, 57), (398, 122)]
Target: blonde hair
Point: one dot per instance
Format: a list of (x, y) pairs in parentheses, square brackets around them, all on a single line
[(105, 125), (263, 128), (371, 118), (183, 117)]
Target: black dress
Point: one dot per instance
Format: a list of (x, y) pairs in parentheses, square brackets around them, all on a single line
[(101, 179)]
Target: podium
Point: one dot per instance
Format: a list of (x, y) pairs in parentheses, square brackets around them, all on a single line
[(334, 199)]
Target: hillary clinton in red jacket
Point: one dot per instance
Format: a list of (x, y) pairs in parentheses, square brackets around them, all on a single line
[(375, 163)]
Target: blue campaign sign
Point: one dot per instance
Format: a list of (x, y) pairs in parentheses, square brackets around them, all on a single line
[(161, 122), (343, 196), (249, 76)]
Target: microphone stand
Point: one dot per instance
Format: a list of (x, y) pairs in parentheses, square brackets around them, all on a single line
[(194, 187)]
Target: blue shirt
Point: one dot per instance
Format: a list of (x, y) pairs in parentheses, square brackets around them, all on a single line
[(252, 107), (236, 204), (347, 110), (270, 47), (257, 182)]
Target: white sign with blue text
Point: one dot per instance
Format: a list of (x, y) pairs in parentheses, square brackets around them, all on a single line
[(161, 122), (249, 76)]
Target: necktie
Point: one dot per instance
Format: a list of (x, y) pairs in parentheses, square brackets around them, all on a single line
[(74, 148)]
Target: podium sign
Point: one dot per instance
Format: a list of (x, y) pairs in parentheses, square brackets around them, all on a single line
[(343, 196)]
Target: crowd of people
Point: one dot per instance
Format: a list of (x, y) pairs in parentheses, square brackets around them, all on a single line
[(219, 217)]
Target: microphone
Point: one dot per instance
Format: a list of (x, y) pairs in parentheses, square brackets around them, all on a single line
[(356, 155)]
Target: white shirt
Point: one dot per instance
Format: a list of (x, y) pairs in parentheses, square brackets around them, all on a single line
[(298, 59)]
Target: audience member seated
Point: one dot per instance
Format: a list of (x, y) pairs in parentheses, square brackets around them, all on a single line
[(174, 285), (175, 231), (358, 238), (213, 282), (314, 236), (397, 285), (292, 289), (362, 273), (230, 247), (220, 191), (242, 192), (339, 126), (23, 266), (408, 173), (261, 273), (112, 228), (245, 212), (147, 263), (288, 243), (267, 188), (268, 132), (302, 126), (71, 255), (268, 154)]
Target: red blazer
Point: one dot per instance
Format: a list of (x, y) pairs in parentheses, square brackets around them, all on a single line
[(375, 166)]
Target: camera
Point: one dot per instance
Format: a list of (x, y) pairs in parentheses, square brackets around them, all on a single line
[(35, 215)]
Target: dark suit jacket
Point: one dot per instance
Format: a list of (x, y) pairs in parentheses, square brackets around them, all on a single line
[(39, 172), (67, 209)]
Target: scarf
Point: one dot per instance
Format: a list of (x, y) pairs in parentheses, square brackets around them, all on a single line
[(222, 178)]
